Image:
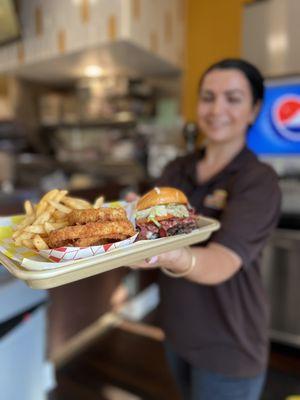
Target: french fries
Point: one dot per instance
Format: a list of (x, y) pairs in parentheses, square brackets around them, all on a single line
[(49, 214), (98, 202), (28, 206), (39, 243), (74, 203)]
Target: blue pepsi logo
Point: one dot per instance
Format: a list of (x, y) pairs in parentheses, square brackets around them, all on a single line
[(285, 115)]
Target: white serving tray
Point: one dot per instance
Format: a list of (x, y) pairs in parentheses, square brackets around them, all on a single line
[(71, 271)]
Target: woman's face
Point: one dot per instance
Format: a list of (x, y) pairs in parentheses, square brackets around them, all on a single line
[(225, 106)]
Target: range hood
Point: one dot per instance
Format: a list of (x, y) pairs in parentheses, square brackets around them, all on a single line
[(116, 58), (132, 37), (271, 36)]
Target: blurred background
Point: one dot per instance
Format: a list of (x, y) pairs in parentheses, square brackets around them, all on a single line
[(96, 96)]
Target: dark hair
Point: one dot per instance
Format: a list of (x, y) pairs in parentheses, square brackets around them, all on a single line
[(251, 73)]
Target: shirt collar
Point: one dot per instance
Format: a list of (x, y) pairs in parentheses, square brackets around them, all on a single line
[(234, 165)]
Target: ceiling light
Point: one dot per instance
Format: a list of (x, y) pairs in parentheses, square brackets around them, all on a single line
[(277, 42), (93, 71)]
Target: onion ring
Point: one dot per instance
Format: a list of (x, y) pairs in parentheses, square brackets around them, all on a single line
[(104, 230), (80, 217)]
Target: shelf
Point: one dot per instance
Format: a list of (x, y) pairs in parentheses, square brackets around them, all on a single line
[(100, 124)]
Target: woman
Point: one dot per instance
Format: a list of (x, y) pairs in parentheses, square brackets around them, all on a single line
[(215, 315)]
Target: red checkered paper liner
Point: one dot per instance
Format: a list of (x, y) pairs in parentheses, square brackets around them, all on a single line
[(78, 253)]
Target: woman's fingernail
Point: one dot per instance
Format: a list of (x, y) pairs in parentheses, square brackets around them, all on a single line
[(152, 260)]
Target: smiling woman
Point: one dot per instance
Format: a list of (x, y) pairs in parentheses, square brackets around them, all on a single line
[(229, 101), (225, 106), (216, 318)]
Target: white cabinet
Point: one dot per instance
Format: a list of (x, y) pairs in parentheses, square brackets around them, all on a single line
[(24, 371)]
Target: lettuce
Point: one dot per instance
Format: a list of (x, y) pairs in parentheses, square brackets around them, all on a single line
[(177, 210)]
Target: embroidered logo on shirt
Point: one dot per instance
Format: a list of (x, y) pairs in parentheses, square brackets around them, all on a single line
[(216, 200)]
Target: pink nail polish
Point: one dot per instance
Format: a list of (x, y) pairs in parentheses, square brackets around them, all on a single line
[(152, 260)]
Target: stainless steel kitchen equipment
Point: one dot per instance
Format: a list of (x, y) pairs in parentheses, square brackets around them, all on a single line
[(281, 274), (24, 371)]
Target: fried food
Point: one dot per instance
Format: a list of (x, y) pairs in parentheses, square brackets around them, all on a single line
[(75, 203), (59, 220), (39, 243), (51, 213), (98, 240), (102, 230), (79, 217), (98, 202)]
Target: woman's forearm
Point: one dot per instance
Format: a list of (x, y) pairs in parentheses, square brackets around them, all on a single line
[(214, 264)]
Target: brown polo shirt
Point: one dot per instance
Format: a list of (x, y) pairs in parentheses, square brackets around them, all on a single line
[(224, 328)]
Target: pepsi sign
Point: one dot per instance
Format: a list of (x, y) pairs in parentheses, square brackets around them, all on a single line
[(277, 129)]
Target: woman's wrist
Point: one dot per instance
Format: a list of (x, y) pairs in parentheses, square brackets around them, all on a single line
[(186, 263)]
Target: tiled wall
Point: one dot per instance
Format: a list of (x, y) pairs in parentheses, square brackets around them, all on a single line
[(158, 25), (54, 27)]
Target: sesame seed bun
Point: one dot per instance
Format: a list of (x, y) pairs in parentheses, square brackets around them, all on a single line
[(161, 195)]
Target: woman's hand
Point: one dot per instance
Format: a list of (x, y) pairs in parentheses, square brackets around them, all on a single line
[(176, 260), (131, 196)]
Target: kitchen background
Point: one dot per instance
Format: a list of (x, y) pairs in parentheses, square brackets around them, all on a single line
[(90, 97), (96, 96)]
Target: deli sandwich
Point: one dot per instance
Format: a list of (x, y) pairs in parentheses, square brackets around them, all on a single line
[(164, 211)]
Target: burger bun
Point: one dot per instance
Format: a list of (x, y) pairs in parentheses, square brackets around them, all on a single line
[(159, 196)]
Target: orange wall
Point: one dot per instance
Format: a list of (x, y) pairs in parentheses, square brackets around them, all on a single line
[(213, 31)]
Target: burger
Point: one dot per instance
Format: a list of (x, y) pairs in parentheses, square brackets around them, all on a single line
[(164, 211)]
